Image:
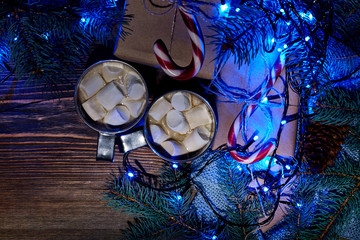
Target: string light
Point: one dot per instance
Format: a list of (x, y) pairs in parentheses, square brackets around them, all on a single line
[(214, 237), (287, 167), (285, 45), (83, 19), (307, 38), (130, 174), (256, 137), (178, 197), (224, 7), (283, 122), (175, 166), (264, 100), (45, 36), (265, 189), (237, 10)]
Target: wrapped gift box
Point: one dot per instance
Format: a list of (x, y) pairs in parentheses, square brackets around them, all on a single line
[(150, 24)]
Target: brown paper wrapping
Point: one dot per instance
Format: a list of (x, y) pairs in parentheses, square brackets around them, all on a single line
[(147, 28), (249, 77)]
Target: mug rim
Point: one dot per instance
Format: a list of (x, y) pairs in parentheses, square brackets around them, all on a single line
[(106, 131), (202, 151)]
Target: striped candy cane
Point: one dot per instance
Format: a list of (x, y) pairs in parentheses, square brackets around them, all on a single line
[(198, 51), (268, 147)]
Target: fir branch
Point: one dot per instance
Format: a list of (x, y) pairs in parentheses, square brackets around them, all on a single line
[(48, 38), (173, 212), (338, 106), (333, 218)]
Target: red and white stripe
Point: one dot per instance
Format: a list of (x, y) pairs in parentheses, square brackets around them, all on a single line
[(268, 147), (198, 51)]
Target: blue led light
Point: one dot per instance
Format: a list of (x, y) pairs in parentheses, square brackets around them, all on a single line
[(287, 167), (285, 45), (308, 86), (279, 49), (83, 19), (15, 38), (288, 23), (299, 205), (307, 38), (45, 35), (175, 166), (239, 167), (237, 10), (130, 174), (282, 10), (256, 137), (8, 15), (310, 16), (266, 189), (264, 100), (283, 122), (178, 197), (272, 40), (224, 7), (214, 237)]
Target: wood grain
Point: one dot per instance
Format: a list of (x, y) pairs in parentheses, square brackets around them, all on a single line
[(51, 185)]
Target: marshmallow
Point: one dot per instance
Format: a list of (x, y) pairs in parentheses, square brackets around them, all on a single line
[(91, 84), (173, 148), (158, 134), (136, 91), (198, 116), (135, 107), (135, 86), (117, 116), (176, 121), (111, 72), (110, 95), (196, 101), (94, 109), (197, 139), (159, 109), (181, 101)]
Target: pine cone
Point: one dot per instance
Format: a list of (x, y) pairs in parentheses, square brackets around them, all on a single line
[(322, 144)]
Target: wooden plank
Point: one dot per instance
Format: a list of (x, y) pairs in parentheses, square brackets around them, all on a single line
[(51, 185)]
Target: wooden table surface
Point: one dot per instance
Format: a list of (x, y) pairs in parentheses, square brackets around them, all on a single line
[(51, 186)]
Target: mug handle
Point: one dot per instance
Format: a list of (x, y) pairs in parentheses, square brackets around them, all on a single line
[(131, 141), (105, 147)]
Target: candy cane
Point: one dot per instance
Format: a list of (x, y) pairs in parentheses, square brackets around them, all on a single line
[(198, 51), (269, 146)]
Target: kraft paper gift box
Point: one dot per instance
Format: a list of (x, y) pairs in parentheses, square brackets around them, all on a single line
[(150, 24)]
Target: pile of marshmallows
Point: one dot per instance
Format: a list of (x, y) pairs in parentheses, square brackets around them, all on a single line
[(180, 122), (112, 94)]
